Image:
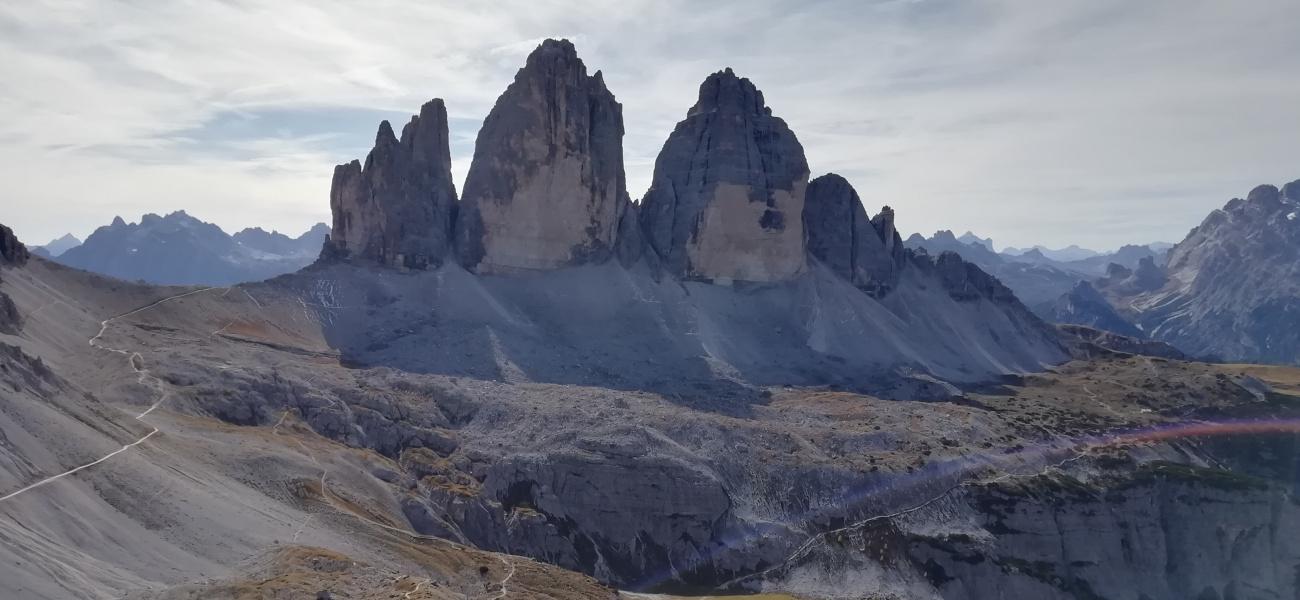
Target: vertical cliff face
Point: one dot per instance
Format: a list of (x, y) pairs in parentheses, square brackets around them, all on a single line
[(546, 188), (397, 210), (727, 198), (866, 252)]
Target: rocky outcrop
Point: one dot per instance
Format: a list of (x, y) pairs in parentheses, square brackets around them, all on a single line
[(397, 210), (12, 251), (1086, 343), (670, 511), (546, 188), (867, 252), (727, 197)]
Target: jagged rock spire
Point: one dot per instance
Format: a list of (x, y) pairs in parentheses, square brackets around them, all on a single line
[(866, 252), (546, 188), (727, 197), (397, 210)]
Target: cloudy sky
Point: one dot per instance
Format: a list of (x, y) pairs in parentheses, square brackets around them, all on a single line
[(1096, 122)]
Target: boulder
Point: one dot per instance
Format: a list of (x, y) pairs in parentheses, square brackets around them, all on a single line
[(397, 209), (727, 197), (546, 188)]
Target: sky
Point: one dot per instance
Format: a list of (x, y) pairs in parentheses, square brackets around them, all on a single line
[(1089, 122)]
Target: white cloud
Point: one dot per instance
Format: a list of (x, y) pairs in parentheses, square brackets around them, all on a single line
[(1095, 122)]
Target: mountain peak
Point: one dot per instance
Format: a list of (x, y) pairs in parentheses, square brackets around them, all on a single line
[(725, 91), (727, 197), (546, 188)]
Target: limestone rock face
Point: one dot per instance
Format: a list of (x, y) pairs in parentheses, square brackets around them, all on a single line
[(865, 252), (397, 210), (546, 188), (727, 197)]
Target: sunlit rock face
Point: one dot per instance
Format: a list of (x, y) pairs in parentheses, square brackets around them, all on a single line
[(546, 188), (727, 198), (397, 210)]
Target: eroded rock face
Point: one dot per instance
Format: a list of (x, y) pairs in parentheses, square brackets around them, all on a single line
[(727, 197), (866, 252), (12, 251), (546, 188), (397, 210)]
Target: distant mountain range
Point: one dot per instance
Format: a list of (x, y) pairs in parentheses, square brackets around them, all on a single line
[(57, 246), (181, 250), (1038, 279)]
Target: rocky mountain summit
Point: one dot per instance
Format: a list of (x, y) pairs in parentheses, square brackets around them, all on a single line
[(1230, 289), (546, 188), (397, 210), (56, 246)]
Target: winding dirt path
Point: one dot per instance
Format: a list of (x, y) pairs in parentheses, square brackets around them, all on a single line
[(136, 363)]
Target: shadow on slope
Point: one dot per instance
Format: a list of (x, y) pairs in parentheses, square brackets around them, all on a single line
[(708, 346)]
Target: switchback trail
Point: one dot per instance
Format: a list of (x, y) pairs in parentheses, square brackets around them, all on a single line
[(142, 376)]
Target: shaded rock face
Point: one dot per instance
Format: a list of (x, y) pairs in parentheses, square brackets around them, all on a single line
[(397, 210), (546, 188), (727, 197), (1084, 305), (866, 252), (12, 251)]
